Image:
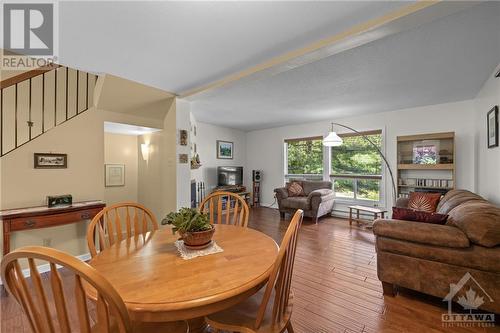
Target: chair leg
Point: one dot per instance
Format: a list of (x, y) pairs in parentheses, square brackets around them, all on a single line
[(289, 327), (282, 215)]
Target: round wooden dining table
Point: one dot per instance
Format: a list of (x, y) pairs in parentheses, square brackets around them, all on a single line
[(157, 285)]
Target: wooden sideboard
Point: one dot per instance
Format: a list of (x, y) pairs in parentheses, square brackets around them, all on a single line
[(20, 219)]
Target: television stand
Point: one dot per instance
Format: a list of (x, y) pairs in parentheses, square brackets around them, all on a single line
[(231, 188), (236, 189)]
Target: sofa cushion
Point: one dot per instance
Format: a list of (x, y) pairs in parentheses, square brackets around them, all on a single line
[(479, 220), (475, 256), (425, 233), (424, 201), (295, 189), (296, 203), (310, 186), (454, 198), (399, 213)]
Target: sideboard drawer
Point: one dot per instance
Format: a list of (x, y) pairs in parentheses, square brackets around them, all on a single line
[(26, 223)]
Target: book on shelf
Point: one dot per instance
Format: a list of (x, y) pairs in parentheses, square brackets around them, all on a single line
[(425, 182)]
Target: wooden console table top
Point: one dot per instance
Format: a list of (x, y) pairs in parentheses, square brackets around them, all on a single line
[(29, 218)]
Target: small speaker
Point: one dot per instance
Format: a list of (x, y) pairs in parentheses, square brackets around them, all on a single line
[(257, 175)]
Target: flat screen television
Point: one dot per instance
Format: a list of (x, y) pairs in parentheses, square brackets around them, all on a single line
[(229, 175)]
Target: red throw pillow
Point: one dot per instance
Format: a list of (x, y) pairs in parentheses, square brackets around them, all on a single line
[(295, 189), (424, 201), (407, 214)]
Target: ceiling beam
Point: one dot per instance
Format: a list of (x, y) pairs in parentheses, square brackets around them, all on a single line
[(397, 21)]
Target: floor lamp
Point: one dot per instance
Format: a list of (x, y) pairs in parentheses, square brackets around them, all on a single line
[(333, 140)]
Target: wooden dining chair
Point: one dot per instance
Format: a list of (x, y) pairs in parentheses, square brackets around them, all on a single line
[(36, 304), (66, 308), (226, 208), (254, 314), (118, 222)]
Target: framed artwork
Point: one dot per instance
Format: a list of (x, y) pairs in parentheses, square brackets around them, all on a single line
[(225, 150), (50, 161), (183, 158), (114, 175), (492, 118), (183, 137)]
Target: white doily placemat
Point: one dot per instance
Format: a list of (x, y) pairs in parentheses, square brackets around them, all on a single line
[(187, 254)]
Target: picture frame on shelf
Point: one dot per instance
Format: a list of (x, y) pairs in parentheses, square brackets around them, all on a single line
[(50, 161), (114, 175), (225, 150), (492, 127)]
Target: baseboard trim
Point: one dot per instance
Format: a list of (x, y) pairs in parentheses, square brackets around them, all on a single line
[(46, 267)]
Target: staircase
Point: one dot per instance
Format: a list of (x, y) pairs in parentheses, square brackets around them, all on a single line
[(36, 101)]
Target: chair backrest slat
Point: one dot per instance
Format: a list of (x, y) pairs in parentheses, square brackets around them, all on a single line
[(235, 205), (60, 303), (109, 234), (102, 315), (281, 276), (43, 306), (81, 306), (33, 299)]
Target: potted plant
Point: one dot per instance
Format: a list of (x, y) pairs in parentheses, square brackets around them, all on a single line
[(193, 226)]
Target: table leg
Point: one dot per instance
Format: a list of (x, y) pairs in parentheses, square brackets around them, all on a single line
[(197, 325), (350, 216), (383, 215), (376, 216), (357, 216)]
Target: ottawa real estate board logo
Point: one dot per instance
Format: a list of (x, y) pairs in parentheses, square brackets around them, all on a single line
[(29, 31), (470, 295)]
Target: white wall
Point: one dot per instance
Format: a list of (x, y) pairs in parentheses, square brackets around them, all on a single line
[(183, 113), (206, 143), (488, 160), (265, 147), (121, 149)]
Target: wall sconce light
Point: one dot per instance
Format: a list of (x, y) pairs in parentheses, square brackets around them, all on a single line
[(145, 151)]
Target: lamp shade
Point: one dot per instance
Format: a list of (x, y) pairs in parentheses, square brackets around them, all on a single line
[(332, 140)]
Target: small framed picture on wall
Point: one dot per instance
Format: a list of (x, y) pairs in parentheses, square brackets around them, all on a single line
[(50, 161), (225, 150), (114, 175), (492, 118)]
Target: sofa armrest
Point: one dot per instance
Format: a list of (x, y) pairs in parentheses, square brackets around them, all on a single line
[(320, 193), (281, 193), (316, 197), (419, 232)]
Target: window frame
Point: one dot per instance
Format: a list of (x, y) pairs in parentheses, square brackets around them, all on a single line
[(355, 177), (287, 176), (328, 175)]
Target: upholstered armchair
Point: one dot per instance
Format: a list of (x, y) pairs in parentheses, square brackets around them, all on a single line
[(316, 200)]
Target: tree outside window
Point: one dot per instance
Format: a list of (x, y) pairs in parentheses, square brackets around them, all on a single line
[(356, 167), (304, 158)]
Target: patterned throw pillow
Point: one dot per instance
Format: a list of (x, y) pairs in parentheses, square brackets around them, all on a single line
[(399, 213), (424, 201), (295, 189)]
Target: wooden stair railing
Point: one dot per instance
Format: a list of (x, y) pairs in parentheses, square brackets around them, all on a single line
[(36, 101)]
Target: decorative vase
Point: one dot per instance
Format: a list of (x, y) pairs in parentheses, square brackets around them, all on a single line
[(198, 238)]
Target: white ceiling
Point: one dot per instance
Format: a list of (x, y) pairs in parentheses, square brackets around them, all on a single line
[(443, 61), (178, 45)]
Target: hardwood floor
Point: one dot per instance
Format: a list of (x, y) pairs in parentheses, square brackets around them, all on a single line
[(335, 284)]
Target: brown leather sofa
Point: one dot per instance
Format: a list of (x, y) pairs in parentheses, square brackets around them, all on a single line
[(317, 200), (430, 257)]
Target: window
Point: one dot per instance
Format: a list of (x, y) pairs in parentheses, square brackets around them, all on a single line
[(356, 167), (304, 158)]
